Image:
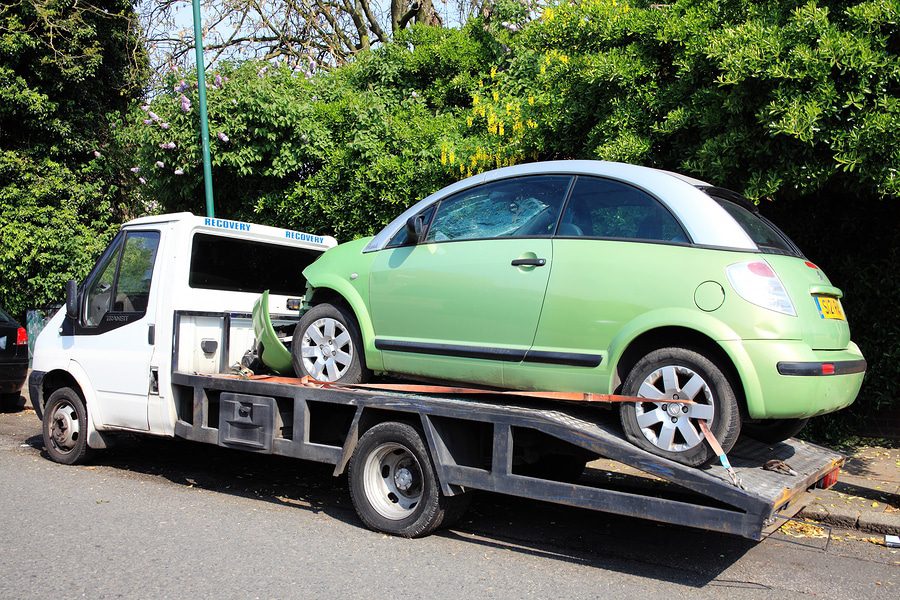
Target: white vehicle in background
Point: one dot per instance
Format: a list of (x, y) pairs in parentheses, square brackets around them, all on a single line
[(114, 349)]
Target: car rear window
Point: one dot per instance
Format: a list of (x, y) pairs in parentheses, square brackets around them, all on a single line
[(763, 232)]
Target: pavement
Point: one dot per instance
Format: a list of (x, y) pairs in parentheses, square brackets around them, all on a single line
[(866, 496)]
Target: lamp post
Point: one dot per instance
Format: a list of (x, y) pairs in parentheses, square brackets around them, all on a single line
[(204, 125)]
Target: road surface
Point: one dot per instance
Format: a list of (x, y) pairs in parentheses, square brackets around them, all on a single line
[(168, 519)]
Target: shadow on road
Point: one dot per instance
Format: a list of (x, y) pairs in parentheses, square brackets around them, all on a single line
[(642, 548)]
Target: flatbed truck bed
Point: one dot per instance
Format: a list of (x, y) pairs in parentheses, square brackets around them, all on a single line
[(472, 444)]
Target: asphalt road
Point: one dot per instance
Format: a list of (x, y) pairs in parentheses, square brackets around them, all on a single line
[(160, 518)]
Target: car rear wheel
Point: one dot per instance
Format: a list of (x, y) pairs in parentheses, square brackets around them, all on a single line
[(774, 430), (12, 401), (671, 429), (327, 346)]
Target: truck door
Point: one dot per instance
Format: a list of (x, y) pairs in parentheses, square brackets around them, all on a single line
[(113, 338)]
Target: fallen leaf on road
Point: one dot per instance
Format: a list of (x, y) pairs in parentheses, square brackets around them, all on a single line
[(874, 505), (803, 530)]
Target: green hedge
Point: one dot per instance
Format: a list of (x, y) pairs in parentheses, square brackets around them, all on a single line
[(795, 104)]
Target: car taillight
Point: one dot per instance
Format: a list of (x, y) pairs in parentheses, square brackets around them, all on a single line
[(21, 336), (757, 283)]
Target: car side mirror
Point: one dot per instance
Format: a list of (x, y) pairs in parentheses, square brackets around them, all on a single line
[(72, 299), (414, 228)]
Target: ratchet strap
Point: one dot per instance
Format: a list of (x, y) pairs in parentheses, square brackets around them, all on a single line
[(717, 448), (444, 389)]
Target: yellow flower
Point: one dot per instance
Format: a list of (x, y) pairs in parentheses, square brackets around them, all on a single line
[(452, 158), (500, 128), (543, 69), (470, 121), (493, 72), (531, 100), (496, 96), (443, 155), (548, 14), (476, 100), (462, 169)]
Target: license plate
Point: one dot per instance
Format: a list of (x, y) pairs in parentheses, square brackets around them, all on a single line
[(829, 308)]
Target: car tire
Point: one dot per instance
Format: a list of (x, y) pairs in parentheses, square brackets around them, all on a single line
[(329, 329), (393, 484), (671, 430), (11, 402), (773, 431), (65, 427)]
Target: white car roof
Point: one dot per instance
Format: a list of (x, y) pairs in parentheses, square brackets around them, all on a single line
[(706, 222)]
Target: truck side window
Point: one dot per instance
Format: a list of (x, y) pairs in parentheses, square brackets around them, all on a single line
[(136, 272), (100, 290), (123, 281)]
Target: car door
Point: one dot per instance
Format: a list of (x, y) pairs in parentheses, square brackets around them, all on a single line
[(618, 253), (112, 340), (467, 299)]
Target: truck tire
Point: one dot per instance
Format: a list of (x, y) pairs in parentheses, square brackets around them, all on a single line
[(772, 431), (327, 346), (670, 429), (393, 484), (65, 427)]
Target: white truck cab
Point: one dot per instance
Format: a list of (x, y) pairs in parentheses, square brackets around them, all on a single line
[(113, 342)]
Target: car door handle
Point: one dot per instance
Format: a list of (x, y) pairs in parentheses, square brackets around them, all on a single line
[(529, 262)]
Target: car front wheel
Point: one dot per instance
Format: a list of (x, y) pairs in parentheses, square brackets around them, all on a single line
[(671, 429), (327, 346)]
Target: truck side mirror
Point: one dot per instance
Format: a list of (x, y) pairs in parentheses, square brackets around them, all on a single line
[(72, 299), (414, 227)]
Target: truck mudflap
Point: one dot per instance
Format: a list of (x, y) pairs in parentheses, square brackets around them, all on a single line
[(272, 352), (324, 425)]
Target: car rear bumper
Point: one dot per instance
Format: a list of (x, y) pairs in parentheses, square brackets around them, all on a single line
[(789, 380), (12, 376)]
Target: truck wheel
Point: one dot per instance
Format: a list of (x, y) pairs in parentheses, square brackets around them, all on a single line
[(671, 430), (393, 485), (327, 346), (772, 431), (65, 427)]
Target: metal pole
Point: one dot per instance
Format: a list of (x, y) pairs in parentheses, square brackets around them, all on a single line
[(204, 126)]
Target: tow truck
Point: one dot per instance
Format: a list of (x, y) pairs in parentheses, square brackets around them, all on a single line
[(153, 342)]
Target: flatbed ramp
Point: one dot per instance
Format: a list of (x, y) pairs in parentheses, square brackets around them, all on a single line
[(473, 444)]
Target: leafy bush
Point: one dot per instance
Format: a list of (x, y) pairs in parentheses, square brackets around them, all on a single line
[(63, 67)]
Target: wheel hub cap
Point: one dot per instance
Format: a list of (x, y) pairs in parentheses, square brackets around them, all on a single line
[(392, 479), (64, 428), (673, 426), (326, 349)]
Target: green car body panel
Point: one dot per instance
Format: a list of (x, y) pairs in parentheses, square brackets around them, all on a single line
[(567, 324)]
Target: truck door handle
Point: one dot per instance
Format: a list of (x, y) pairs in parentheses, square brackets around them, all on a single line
[(529, 262)]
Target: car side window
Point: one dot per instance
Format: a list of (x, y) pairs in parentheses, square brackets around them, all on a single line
[(603, 208), (122, 283), (520, 207)]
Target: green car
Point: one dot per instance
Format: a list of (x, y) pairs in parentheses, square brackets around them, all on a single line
[(592, 276)]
